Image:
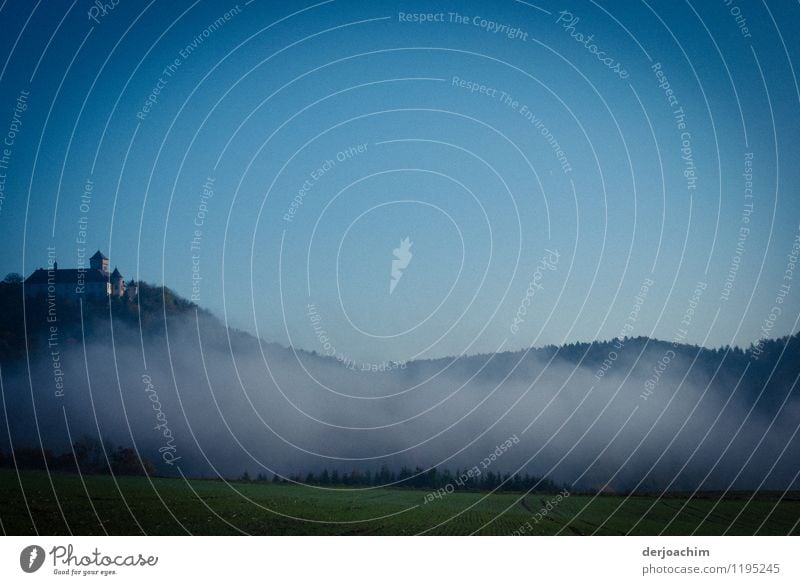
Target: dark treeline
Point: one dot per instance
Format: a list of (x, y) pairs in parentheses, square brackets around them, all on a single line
[(418, 478), (87, 456)]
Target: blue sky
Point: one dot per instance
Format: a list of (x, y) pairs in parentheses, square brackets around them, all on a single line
[(264, 99)]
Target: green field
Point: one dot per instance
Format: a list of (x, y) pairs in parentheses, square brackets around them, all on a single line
[(59, 504)]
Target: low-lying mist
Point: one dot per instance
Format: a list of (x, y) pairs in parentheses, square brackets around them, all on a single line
[(656, 417)]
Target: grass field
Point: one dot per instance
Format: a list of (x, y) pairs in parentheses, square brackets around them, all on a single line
[(96, 505)]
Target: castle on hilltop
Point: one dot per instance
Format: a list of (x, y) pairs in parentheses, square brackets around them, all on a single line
[(94, 282)]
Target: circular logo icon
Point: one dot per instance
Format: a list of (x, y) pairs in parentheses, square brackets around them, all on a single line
[(31, 558)]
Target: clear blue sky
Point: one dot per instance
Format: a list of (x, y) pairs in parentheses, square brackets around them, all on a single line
[(260, 101)]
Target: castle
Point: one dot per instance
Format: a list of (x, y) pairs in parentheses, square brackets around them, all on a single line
[(94, 282)]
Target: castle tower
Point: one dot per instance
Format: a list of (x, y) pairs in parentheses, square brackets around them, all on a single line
[(99, 262), (132, 289), (117, 283)]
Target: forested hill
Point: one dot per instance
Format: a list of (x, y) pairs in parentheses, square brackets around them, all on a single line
[(774, 362), (168, 377), (769, 364), (155, 308)]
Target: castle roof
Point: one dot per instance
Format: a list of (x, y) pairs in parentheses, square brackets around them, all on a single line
[(66, 276), (99, 255), (116, 276)]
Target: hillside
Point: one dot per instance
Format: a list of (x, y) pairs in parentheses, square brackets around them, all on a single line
[(167, 378), (155, 308)]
